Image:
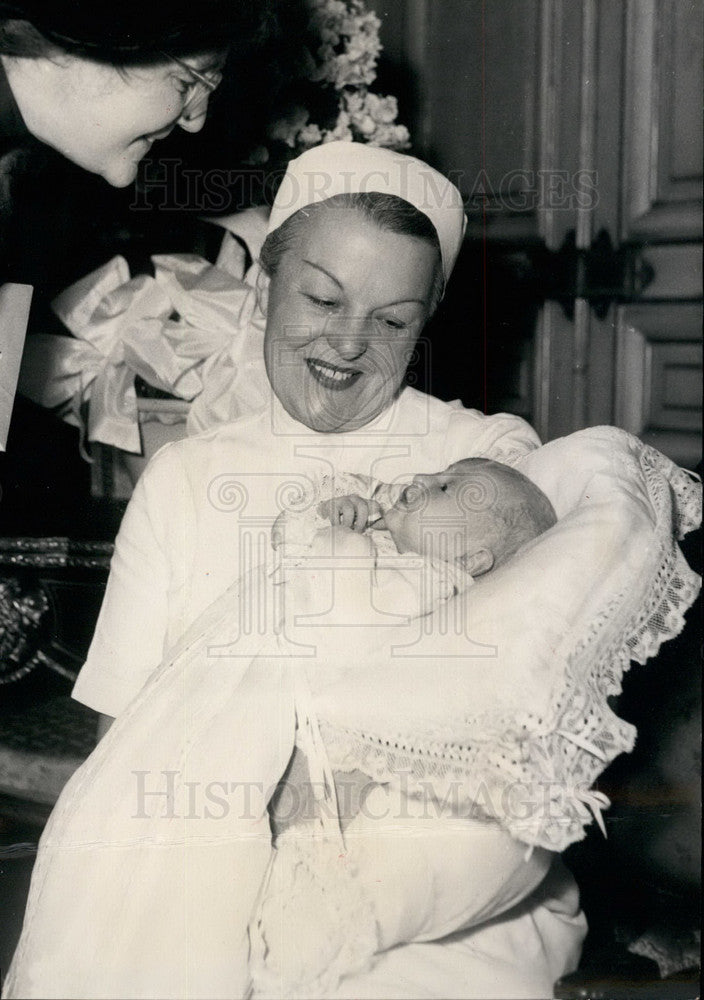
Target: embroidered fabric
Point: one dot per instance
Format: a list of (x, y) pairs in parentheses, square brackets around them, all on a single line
[(301, 945), (532, 772)]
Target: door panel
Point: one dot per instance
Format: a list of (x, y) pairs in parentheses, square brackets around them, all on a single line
[(676, 271), (662, 127), (659, 347), (658, 377), (640, 366)]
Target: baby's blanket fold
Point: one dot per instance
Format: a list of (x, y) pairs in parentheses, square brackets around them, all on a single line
[(504, 707)]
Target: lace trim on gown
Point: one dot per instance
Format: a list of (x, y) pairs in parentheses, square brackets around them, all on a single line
[(315, 924), (535, 774)]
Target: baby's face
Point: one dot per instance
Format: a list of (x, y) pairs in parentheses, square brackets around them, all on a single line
[(446, 514)]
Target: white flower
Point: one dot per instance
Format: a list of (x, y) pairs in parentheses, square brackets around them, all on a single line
[(310, 136), (348, 72), (391, 137), (367, 126), (382, 109), (345, 61), (349, 42), (339, 135), (341, 131), (354, 101)]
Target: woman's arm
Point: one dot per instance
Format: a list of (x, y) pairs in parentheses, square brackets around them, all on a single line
[(501, 436), (129, 638), (428, 875)]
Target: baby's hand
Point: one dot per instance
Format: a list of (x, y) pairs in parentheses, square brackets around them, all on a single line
[(352, 512)]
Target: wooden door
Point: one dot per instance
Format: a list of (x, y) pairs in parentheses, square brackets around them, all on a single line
[(636, 127), (560, 120)]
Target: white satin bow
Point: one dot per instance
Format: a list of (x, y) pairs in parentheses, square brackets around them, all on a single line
[(191, 327)]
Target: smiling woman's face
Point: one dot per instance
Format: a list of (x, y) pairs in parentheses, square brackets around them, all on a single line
[(103, 118), (345, 308)]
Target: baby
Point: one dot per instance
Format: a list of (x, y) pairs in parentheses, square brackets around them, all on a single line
[(474, 515)]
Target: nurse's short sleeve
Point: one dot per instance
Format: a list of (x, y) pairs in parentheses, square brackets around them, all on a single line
[(502, 437), (130, 633)]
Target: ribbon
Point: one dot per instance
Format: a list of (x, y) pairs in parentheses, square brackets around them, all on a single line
[(191, 327)]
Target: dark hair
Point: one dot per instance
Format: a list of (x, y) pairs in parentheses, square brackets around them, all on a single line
[(387, 211), (132, 32)]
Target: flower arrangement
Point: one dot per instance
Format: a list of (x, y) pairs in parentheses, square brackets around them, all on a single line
[(340, 64)]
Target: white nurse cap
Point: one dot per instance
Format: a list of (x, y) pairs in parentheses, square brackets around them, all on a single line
[(354, 167)]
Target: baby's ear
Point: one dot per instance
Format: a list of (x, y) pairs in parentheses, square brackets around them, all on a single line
[(477, 563)]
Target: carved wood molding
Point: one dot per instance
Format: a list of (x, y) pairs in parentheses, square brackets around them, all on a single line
[(47, 585), (43, 553)]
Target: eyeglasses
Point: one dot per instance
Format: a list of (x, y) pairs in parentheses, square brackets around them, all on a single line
[(202, 86)]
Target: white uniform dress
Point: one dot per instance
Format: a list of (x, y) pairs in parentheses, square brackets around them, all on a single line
[(200, 517), (202, 513)]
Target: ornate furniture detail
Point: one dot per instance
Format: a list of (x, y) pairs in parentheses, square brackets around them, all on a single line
[(50, 595), (50, 591)]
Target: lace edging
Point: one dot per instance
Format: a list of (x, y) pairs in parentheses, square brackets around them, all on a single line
[(309, 878), (686, 488), (535, 776)]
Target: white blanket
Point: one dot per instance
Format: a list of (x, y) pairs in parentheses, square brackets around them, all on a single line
[(159, 845)]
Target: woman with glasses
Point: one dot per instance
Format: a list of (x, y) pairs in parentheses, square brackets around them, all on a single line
[(93, 84), (97, 85), (101, 83)]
